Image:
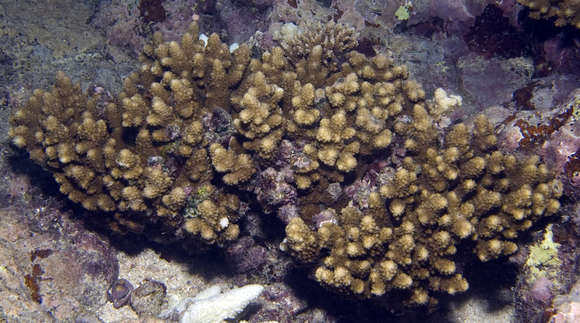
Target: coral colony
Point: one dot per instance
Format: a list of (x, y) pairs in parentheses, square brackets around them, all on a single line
[(378, 198)]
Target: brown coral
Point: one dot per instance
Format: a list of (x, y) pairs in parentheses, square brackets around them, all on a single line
[(152, 158), (409, 241), (566, 12), (144, 153)]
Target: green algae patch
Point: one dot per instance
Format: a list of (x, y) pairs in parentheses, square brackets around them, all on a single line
[(402, 13), (543, 259)]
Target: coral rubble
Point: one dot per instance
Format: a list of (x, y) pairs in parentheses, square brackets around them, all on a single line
[(199, 132)]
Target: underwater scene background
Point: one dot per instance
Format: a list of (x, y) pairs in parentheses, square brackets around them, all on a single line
[(289, 160)]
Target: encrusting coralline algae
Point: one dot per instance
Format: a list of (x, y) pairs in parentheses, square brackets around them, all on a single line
[(197, 131)]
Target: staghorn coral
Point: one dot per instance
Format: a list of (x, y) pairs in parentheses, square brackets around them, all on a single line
[(566, 12), (199, 132)]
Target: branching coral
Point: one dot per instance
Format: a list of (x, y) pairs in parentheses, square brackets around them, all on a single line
[(335, 39), (566, 12), (407, 239), (143, 155), (165, 155)]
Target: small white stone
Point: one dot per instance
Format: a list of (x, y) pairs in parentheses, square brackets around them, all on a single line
[(204, 38), (233, 47), (224, 222)]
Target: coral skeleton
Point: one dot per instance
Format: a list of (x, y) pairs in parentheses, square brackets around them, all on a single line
[(214, 306)]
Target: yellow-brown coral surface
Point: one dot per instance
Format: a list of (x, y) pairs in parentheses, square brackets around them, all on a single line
[(566, 12), (185, 139), (409, 235)]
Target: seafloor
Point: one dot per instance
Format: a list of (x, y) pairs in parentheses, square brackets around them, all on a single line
[(58, 265)]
